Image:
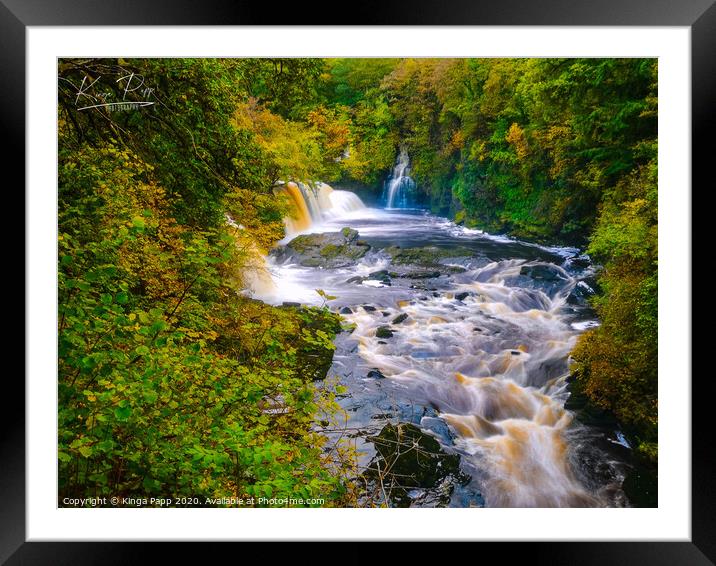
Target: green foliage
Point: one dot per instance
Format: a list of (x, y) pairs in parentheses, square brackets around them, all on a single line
[(617, 362), (288, 87), (528, 146), (170, 382)]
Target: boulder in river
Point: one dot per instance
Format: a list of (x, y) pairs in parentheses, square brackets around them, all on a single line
[(425, 256), (400, 318), (383, 276), (383, 332), (546, 278), (420, 274), (544, 272), (327, 250), (410, 465)]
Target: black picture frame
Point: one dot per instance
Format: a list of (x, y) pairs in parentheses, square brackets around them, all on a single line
[(699, 15)]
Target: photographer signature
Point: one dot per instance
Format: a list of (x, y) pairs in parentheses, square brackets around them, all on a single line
[(90, 94)]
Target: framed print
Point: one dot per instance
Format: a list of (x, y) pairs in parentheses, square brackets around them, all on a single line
[(423, 277)]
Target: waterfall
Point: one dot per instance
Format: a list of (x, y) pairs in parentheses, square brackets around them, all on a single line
[(314, 203), (300, 218), (400, 186), (254, 269), (342, 203)]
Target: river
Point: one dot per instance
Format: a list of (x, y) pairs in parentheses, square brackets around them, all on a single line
[(471, 354)]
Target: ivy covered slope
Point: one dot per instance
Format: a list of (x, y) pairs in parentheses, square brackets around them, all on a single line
[(170, 382), (549, 150)]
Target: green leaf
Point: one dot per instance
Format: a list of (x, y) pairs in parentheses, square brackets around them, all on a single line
[(323, 294), (86, 451), (122, 413), (150, 396), (151, 484)]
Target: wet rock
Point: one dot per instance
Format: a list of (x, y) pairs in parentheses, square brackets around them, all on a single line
[(383, 332), (382, 416), (582, 291), (381, 275), (410, 465), (537, 279), (357, 279), (438, 428), (515, 352), (455, 268), (425, 256), (400, 318), (369, 308), (385, 313), (327, 250), (544, 272), (346, 310), (375, 374), (462, 296), (583, 261), (421, 274), (349, 233)]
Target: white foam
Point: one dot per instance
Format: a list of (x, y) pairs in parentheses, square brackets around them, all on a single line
[(585, 324)]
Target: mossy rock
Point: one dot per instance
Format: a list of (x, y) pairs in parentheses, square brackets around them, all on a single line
[(330, 251), (408, 458), (327, 250), (428, 256), (400, 318), (383, 332)]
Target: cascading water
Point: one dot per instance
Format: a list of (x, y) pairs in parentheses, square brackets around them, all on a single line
[(493, 364), (300, 218), (399, 188), (342, 203), (315, 203), (477, 345), (254, 269)]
